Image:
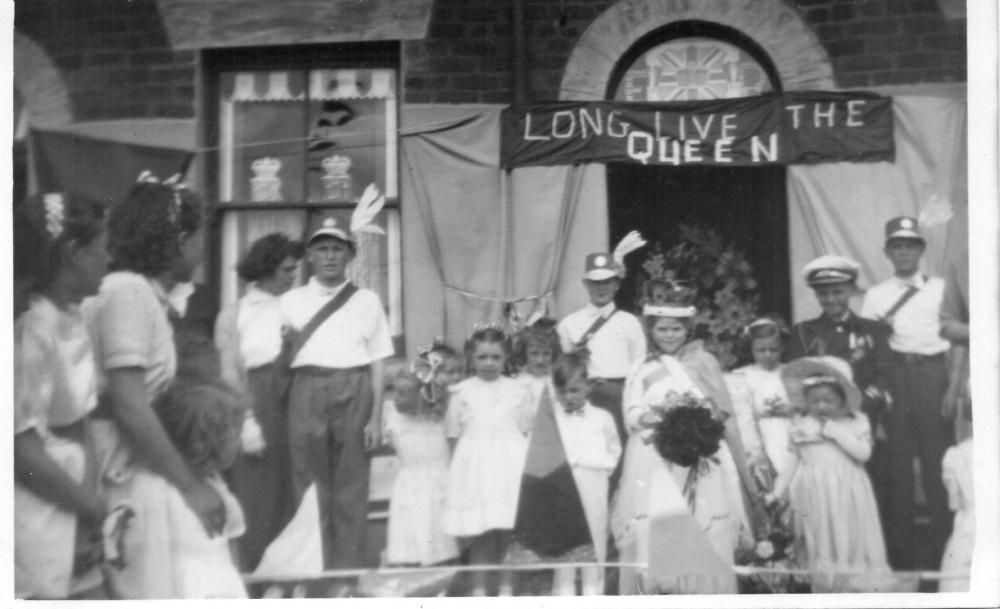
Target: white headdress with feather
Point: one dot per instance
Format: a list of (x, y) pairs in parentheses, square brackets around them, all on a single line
[(371, 202), (628, 244)]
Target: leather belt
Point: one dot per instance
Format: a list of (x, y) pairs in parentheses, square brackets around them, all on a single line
[(916, 358)]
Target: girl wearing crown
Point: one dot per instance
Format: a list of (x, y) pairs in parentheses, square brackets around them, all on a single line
[(653, 489), (59, 258)]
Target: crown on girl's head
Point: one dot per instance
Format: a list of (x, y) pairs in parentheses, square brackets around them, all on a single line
[(671, 292), (480, 326)]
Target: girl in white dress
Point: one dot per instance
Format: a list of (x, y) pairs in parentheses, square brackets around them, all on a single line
[(651, 488), (60, 256), (414, 426), (759, 401), (488, 421)]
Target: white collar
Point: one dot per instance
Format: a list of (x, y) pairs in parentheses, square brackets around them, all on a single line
[(323, 290), (179, 295), (916, 280), (602, 311), (256, 295)]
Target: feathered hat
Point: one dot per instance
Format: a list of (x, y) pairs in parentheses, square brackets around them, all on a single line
[(370, 203), (601, 266)]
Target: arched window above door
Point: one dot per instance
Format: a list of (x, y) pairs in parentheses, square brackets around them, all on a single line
[(692, 68)]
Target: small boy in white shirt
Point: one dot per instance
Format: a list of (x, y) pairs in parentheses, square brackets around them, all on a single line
[(592, 449)]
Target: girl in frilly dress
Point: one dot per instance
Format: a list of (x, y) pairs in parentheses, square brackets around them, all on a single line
[(836, 522), (759, 401), (414, 425)]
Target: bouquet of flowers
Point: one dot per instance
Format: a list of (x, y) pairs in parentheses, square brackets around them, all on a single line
[(727, 291), (774, 550), (688, 434)]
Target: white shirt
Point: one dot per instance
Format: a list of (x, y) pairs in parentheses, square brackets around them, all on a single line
[(129, 327), (618, 344), (248, 332), (589, 438), (55, 383), (356, 335), (916, 325)]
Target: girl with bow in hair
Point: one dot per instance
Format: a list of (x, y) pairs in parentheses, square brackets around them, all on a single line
[(155, 240), (60, 257), (414, 426)]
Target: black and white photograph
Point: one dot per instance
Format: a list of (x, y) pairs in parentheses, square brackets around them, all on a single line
[(508, 299)]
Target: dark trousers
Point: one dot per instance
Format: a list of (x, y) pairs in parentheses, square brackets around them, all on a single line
[(916, 429), (327, 413), (606, 394), (262, 482)]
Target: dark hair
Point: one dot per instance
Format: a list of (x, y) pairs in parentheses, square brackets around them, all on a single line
[(653, 351), (567, 368), (266, 255), (776, 328), (146, 229), (488, 335), (534, 336), (43, 226), (199, 416)]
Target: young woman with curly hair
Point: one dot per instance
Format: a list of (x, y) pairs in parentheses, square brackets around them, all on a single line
[(155, 240), (60, 257), (248, 337)]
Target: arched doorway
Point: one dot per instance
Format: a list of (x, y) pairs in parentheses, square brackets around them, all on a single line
[(744, 206), (774, 27)]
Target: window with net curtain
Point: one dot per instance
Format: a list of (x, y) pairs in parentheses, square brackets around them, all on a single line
[(692, 68), (298, 145)]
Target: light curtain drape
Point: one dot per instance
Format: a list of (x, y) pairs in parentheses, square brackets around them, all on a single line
[(841, 208), (478, 239)]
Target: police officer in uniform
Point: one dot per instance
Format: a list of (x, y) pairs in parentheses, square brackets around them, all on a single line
[(863, 343)]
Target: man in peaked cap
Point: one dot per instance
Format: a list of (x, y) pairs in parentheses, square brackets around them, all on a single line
[(908, 303), (611, 339), (335, 396), (862, 343)]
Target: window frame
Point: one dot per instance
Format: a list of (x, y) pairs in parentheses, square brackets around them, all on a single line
[(693, 29), (213, 63)]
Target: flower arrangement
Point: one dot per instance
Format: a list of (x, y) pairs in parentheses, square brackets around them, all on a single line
[(727, 291), (774, 550), (688, 429)]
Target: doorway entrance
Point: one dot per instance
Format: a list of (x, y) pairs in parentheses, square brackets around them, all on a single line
[(747, 206)]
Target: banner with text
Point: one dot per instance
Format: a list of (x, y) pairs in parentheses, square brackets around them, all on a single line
[(801, 127)]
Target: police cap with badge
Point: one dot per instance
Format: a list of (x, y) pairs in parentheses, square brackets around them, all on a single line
[(830, 270)]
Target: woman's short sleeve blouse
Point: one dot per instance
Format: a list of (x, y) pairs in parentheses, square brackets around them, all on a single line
[(129, 323)]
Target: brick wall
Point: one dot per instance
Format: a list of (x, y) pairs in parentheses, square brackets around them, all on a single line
[(466, 57), (115, 58), (880, 42)]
